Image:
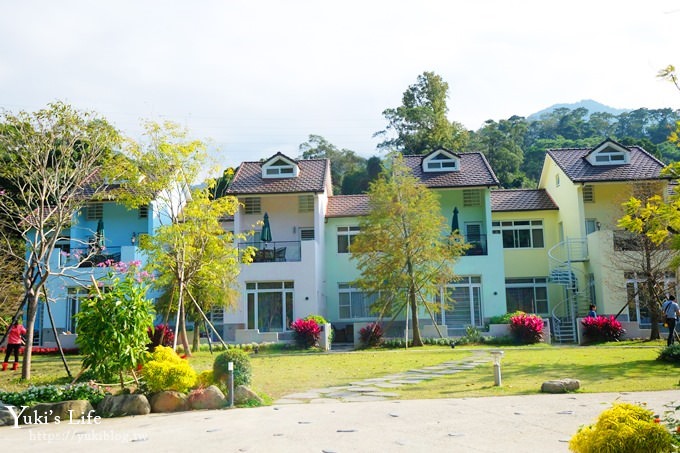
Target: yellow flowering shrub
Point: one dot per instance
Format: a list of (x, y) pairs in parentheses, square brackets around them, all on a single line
[(168, 371), (624, 428)]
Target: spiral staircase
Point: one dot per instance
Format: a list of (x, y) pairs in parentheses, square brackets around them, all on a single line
[(566, 269)]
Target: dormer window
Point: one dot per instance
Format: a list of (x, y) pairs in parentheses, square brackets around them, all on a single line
[(609, 153), (441, 160), (280, 166)]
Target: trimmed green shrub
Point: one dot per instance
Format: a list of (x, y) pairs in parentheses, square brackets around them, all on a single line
[(623, 428), (54, 394), (320, 320), (505, 319), (242, 369), (168, 371), (670, 353)]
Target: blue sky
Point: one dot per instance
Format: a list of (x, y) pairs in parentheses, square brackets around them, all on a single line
[(256, 77)]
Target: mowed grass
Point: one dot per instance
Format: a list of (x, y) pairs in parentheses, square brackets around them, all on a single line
[(627, 366)]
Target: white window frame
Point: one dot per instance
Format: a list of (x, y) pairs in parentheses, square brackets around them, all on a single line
[(531, 283), (516, 226), (255, 289), (348, 232), (357, 303), (472, 285)]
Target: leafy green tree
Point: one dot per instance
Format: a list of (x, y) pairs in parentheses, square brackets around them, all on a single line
[(501, 143), (343, 161), (189, 248), (401, 251), (420, 123), (113, 326), (48, 158)]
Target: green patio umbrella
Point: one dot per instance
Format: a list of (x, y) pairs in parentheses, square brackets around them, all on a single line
[(266, 233), (454, 221), (100, 233)]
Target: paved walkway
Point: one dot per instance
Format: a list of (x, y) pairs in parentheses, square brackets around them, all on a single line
[(377, 389)]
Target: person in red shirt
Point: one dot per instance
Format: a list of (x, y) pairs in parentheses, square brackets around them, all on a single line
[(14, 342)]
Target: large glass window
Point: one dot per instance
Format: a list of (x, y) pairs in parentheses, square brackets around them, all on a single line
[(520, 233), (269, 305), (73, 302), (346, 235), (637, 309), (464, 304), (529, 295), (354, 303)]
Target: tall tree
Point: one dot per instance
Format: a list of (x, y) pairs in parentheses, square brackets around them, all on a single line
[(501, 143), (420, 123), (194, 259), (48, 159), (189, 246), (343, 161), (402, 253)]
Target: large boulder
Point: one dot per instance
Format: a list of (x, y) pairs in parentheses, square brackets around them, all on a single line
[(207, 398), (560, 386), (123, 405), (6, 418), (243, 395), (169, 401), (63, 411)]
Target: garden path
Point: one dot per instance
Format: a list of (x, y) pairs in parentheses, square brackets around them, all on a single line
[(378, 389)]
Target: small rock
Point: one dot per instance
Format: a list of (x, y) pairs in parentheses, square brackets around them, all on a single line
[(560, 386)]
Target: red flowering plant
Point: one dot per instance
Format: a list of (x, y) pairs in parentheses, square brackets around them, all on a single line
[(371, 335), (602, 328), (161, 335), (526, 329), (306, 332)]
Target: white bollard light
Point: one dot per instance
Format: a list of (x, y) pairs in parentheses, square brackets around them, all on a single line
[(497, 354)]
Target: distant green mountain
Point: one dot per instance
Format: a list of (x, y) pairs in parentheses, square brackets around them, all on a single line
[(592, 106)]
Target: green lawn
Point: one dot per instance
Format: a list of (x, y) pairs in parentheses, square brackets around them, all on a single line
[(628, 366)]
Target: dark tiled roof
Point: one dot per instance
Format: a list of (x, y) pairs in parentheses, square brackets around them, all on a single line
[(521, 200), (347, 206), (474, 171), (248, 179), (642, 166)]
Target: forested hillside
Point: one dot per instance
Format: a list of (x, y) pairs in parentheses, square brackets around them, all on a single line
[(515, 147)]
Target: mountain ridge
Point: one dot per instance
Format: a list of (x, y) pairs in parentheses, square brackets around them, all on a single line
[(591, 105)]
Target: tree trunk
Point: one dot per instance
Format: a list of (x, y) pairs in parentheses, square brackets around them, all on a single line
[(417, 341), (183, 331), (32, 310), (653, 308), (196, 340)]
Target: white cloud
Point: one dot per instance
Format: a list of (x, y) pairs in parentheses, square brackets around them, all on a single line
[(260, 76)]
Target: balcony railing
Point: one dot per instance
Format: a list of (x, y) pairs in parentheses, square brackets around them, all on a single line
[(271, 252), (478, 245), (89, 257)]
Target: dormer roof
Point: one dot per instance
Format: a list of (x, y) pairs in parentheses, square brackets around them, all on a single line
[(280, 166), (575, 164), (609, 152), (313, 177), (440, 160), (473, 171)]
